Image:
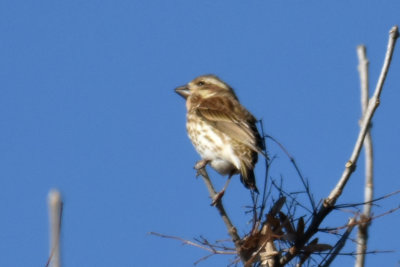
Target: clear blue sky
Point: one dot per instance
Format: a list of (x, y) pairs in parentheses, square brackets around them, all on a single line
[(87, 106)]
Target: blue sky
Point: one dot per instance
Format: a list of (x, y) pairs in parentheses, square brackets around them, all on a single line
[(87, 106)]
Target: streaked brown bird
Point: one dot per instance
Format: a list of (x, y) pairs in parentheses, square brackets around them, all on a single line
[(223, 132)]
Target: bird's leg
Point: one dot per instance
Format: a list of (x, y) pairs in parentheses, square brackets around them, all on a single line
[(200, 167), (221, 193)]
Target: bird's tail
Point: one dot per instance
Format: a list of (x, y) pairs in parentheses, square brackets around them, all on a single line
[(248, 179)]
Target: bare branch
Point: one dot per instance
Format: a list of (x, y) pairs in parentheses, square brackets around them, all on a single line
[(229, 225), (364, 77), (329, 202), (372, 106), (55, 214), (340, 244), (362, 236)]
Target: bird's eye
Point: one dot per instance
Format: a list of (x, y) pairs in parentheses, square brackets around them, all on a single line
[(201, 83)]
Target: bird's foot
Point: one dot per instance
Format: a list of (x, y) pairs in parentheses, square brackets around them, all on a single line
[(200, 166), (217, 198)]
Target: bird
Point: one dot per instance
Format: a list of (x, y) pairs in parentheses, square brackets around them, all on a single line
[(222, 131)]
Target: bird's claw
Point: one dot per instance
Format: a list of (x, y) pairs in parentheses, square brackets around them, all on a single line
[(200, 167), (201, 172)]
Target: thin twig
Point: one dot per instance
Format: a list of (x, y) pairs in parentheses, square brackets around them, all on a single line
[(303, 180), (330, 201), (265, 194), (289, 195), (368, 202), (208, 247), (203, 245)]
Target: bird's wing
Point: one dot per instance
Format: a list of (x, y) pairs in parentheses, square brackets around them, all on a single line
[(229, 117)]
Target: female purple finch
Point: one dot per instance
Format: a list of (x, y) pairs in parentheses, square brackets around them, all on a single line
[(223, 132)]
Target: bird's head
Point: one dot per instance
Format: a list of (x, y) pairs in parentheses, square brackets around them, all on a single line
[(204, 87)]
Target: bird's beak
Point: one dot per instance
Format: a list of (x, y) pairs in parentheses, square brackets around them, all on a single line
[(183, 91)]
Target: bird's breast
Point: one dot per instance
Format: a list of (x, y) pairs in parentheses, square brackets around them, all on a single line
[(212, 144)]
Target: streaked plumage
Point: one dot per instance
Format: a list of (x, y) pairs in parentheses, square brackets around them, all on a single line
[(223, 132)]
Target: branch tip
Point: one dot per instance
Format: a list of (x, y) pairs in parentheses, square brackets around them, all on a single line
[(394, 32)]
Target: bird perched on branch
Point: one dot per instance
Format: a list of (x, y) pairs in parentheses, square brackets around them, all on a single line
[(223, 132)]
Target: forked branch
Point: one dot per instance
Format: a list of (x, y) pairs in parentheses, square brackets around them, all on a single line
[(350, 166)]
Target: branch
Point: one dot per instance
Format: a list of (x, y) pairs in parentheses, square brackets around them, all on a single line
[(229, 226), (340, 244), (362, 236), (330, 201), (363, 72), (209, 247), (366, 120), (55, 213)]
